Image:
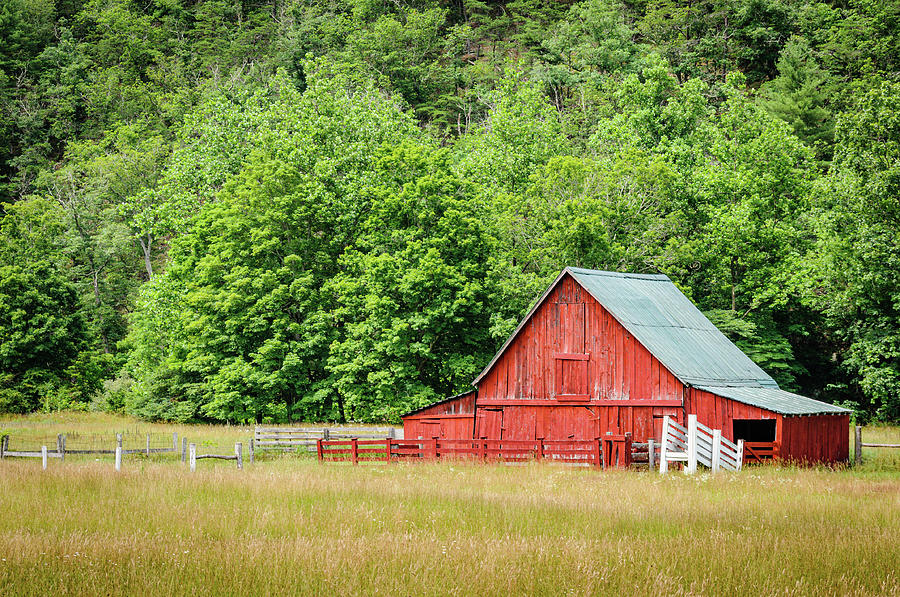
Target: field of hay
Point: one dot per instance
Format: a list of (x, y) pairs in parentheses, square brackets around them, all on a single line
[(288, 525)]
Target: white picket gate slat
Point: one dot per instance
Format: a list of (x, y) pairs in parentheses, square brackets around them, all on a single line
[(698, 444)]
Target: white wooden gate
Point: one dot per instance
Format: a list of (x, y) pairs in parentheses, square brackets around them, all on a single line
[(698, 444)]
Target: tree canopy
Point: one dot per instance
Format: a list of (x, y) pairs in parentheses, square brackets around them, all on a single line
[(262, 210)]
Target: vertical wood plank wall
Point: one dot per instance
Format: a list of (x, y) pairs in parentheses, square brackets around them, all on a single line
[(570, 321), (719, 413), (451, 419), (809, 439), (816, 438)]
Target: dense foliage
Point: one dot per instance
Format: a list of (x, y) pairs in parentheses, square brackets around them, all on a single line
[(288, 210)]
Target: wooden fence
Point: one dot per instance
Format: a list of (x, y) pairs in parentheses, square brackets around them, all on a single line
[(858, 445), (238, 456), (144, 444), (291, 439), (610, 451), (759, 452)]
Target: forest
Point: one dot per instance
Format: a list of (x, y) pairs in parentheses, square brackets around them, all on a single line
[(284, 210)]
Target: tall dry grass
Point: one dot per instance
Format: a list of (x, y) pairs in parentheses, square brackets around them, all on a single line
[(296, 527), (290, 526)]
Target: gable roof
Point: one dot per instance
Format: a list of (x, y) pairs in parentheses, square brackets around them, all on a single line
[(667, 324)]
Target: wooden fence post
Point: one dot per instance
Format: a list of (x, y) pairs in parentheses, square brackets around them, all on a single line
[(740, 454), (434, 448), (598, 454), (3, 446), (148, 444), (387, 446), (354, 451), (239, 452), (184, 443), (651, 449), (44, 456), (692, 445), (174, 441), (482, 448), (252, 450), (540, 453), (118, 458), (119, 440), (664, 441), (326, 434), (857, 445), (716, 450), (59, 443), (320, 451), (627, 456), (193, 454)]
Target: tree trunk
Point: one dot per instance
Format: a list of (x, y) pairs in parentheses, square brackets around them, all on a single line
[(145, 247)]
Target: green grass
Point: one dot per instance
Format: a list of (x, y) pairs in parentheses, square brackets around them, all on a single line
[(291, 526)]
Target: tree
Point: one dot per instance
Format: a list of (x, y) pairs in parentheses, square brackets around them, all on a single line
[(855, 271), (412, 293), (239, 326), (41, 335), (799, 96)]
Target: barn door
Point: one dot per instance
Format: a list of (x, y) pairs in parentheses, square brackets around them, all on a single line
[(430, 429), (489, 423), (570, 371)]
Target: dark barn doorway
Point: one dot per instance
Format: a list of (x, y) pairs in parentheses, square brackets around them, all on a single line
[(754, 430)]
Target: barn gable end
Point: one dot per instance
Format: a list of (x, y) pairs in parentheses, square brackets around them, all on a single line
[(571, 349)]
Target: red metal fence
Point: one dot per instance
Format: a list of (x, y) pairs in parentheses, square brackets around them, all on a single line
[(611, 451)]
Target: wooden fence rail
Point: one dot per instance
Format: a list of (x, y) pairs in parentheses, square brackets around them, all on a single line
[(115, 443), (610, 451), (238, 456), (759, 452), (698, 444), (289, 439), (858, 445)]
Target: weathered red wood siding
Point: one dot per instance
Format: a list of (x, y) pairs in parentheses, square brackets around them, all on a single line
[(571, 356), (814, 439), (452, 419), (809, 439)]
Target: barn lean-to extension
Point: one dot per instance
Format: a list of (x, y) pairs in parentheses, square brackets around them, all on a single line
[(611, 352)]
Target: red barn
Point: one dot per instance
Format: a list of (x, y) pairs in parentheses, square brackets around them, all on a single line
[(610, 352)]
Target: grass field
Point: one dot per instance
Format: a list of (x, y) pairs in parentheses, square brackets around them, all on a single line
[(291, 526)]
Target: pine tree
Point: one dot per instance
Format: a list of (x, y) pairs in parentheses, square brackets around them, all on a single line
[(799, 96)]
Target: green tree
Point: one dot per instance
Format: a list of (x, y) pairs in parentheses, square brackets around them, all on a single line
[(854, 274), (799, 96), (41, 336), (412, 292), (239, 326)]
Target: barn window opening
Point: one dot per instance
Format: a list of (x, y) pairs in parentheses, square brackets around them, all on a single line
[(754, 430)]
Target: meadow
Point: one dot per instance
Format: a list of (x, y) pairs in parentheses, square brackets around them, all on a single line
[(290, 526)]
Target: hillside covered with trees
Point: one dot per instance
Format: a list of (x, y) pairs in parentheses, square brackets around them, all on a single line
[(286, 210)]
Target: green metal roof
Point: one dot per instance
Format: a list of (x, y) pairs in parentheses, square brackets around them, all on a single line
[(775, 400), (668, 324)]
